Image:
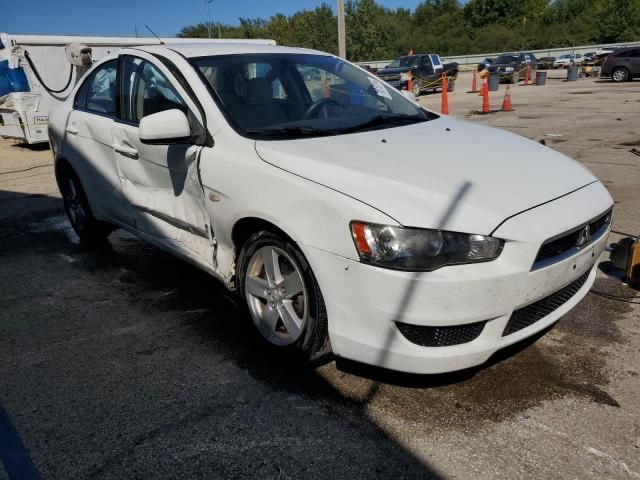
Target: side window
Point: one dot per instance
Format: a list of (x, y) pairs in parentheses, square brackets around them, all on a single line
[(146, 90), (101, 90), (81, 96)]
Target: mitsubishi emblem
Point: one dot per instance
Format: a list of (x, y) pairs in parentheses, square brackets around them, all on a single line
[(584, 237)]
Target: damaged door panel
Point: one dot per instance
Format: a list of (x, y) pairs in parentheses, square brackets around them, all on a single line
[(160, 183)]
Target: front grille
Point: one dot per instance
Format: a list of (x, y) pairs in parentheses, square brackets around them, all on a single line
[(530, 314), (441, 336), (566, 244)]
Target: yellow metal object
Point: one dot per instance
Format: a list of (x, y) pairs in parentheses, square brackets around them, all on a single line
[(633, 264)]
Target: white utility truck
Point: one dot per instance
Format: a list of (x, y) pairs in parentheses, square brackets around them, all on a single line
[(38, 72)]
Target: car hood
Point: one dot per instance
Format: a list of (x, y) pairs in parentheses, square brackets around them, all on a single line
[(393, 71), (500, 66), (443, 173)]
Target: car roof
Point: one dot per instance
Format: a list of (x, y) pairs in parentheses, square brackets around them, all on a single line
[(192, 50)]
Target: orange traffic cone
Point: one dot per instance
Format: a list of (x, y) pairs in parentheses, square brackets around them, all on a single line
[(445, 100), (326, 93), (474, 82), (526, 74), (410, 83), (506, 103), (486, 108)]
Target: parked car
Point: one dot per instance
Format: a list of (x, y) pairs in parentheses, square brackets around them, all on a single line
[(512, 67), (589, 57), (568, 59), (545, 63), (425, 69), (349, 221), (622, 65), (607, 50), (370, 69)]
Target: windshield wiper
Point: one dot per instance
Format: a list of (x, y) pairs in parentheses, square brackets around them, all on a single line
[(384, 120), (289, 130)]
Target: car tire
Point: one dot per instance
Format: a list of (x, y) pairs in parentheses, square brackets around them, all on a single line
[(78, 209), (273, 300), (415, 87), (515, 78), (620, 74)]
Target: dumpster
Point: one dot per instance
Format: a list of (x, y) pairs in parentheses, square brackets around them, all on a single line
[(541, 78)]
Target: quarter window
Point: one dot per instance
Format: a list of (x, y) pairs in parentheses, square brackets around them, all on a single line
[(146, 90), (99, 92)]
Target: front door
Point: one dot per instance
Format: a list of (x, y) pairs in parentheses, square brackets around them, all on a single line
[(160, 183)]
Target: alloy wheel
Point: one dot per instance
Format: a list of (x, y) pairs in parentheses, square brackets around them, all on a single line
[(276, 295), (619, 75), (74, 203)]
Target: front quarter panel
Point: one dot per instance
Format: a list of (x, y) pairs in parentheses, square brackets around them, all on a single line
[(239, 185)]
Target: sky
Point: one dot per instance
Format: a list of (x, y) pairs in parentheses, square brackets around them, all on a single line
[(121, 17)]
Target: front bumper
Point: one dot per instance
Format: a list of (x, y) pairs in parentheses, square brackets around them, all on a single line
[(364, 302)]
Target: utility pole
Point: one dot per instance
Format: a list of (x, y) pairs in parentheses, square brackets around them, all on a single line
[(342, 48), (208, 2)]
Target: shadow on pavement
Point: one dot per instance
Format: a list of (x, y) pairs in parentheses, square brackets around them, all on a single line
[(123, 361)]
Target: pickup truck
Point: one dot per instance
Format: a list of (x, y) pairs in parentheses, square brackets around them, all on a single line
[(426, 70)]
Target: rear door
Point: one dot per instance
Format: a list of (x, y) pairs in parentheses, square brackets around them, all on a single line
[(160, 183), (88, 142), (633, 62)]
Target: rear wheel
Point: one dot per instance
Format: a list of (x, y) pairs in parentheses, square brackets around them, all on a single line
[(283, 297), (620, 74), (78, 209)]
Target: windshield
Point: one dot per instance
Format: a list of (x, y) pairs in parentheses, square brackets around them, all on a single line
[(411, 61), (506, 59), (283, 95)]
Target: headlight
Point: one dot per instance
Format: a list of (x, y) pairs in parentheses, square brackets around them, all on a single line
[(404, 77), (508, 69), (419, 249)]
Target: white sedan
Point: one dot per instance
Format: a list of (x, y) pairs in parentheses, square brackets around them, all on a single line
[(348, 219), (567, 60)]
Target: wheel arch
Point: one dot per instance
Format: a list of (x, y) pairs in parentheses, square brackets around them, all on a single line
[(622, 67), (244, 227)]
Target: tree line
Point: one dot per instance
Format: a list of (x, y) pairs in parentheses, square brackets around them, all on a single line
[(447, 27)]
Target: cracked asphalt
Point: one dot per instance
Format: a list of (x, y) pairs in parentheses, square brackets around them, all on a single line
[(120, 361)]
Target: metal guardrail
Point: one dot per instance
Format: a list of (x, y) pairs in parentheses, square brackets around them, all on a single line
[(472, 60)]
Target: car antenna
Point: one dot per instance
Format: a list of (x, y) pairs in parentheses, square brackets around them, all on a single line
[(153, 33)]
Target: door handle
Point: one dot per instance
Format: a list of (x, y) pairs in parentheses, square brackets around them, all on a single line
[(72, 129), (126, 151)]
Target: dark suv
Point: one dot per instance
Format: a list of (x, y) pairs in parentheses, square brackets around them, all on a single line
[(622, 65), (513, 66)]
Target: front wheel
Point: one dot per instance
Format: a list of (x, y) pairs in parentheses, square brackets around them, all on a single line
[(78, 209), (415, 88), (619, 74), (283, 297)]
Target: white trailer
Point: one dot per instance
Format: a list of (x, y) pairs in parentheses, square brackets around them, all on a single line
[(37, 72)]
